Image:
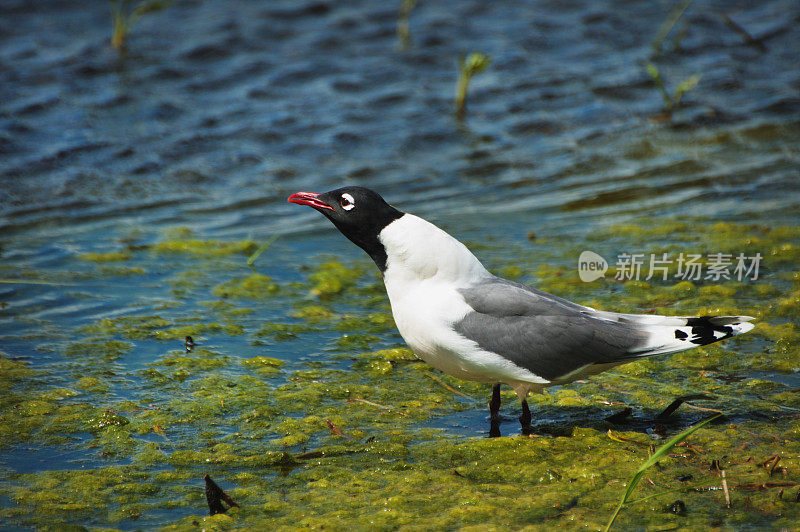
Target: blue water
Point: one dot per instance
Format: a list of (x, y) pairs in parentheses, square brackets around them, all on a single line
[(218, 111)]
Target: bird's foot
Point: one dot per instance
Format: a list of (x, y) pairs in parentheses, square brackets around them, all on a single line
[(494, 428)]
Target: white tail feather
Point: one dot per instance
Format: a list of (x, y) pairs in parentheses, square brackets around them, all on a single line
[(671, 334)]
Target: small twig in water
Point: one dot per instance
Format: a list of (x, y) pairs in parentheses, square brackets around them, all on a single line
[(703, 409), (336, 430), (617, 437), (725, 489), (158, 430), (749, 39), (389, 408), (771, 464), (309, 455), (447, 386)]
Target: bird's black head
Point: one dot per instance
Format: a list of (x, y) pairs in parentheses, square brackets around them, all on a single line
[(358, 212)]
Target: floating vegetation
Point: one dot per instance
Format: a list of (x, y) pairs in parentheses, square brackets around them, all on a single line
[(332, 278), (355, 421), (263, 365), (213, 248), (254, 286), (468, 66), (111, 256)]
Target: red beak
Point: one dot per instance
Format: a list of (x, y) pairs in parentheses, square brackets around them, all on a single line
[(308, 198)]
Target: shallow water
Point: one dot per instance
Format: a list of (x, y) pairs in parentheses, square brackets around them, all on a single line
[(135, 186)]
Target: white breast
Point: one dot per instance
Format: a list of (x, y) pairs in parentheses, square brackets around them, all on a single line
[(425, 269)]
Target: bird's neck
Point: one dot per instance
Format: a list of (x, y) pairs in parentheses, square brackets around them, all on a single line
[(417, 251)]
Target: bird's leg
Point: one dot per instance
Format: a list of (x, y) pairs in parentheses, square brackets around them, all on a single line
[(494, 404), (525, 418), (494, 412)]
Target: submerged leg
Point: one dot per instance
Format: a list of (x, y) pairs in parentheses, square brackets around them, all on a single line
[(494, 412), (525, 418)]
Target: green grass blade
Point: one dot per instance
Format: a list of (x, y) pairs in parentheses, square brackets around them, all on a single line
[(656, 75), (668, 24), (261, 250), (150, 6), (658, 455), (684, 86)]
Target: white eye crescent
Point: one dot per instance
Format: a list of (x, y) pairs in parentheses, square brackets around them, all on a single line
[(347, 202)]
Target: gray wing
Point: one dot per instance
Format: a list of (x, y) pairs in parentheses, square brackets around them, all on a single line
[(545, 334)]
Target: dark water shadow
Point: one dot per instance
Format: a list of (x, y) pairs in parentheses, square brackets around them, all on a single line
[(562, 421)]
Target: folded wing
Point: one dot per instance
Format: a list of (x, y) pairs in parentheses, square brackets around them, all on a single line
[(555, 338)]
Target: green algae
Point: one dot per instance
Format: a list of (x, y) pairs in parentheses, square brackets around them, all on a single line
[(120, 271), (205, 248), (106, 349), (92, 385), (332, 278), (282, 331), (255, 286), (357, 341), (110, 256), (263, 365), (156, 327), (131, 327), (106, 419), (197, 329), (314, 313), (196, 362), (340, 441), (12, 372)]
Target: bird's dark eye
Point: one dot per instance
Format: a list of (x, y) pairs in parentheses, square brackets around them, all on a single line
[(347, 202)]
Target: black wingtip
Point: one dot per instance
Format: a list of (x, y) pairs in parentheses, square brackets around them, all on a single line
[(703, 329)]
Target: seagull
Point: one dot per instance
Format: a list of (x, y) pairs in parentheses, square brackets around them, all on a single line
[(471, 324)]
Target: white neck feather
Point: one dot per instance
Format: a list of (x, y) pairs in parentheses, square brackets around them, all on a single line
[(417, 250)]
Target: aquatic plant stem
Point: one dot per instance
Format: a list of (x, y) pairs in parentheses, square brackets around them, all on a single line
[(668, 24), (474, 63), (121, 23), (403, 15), (261, 250), (657, 455)]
